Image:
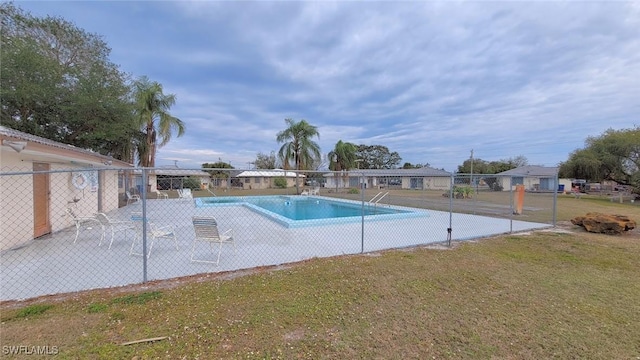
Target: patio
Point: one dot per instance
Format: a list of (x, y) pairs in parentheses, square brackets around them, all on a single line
[(54, 264)]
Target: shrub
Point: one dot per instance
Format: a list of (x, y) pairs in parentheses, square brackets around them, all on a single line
[(280, 182), (354, 191), (192, 183)]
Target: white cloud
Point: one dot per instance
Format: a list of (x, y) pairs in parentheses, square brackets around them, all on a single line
[(431, 80)]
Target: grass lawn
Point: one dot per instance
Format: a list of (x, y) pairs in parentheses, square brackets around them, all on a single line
[(539, 295)]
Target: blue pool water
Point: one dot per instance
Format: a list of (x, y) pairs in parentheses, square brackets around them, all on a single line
[(295, 211), (308, 209)]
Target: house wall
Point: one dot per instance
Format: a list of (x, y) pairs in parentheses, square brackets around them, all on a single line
[(16, 199), (437, 183), (249, 183), (566, 183), (265, 182), (16, 202), (153, 182), (532, 183), (528, 182), (219, 183), (343, 182), (152, 178), (428, 183)]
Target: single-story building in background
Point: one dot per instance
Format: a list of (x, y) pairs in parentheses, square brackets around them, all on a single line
[(264, 179), (34, 204), (426, 178), (534, 178), (172, 177)]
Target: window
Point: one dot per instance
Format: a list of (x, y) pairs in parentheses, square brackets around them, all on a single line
[(257, 180), (247, 180), (416, 183), (395, 181), (517, 180)]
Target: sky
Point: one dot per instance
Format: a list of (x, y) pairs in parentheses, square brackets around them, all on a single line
[(430, 80)]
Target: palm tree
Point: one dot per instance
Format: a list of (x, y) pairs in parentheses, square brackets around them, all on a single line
[(342, 157), (155, 121), (298, 146)]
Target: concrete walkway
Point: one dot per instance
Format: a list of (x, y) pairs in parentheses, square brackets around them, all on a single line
[(54, 264)]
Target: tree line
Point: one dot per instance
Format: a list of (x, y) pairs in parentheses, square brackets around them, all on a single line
[(614, 155)]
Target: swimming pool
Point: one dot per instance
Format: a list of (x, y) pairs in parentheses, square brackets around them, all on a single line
[(299, 211)]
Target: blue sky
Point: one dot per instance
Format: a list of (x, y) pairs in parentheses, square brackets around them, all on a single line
[(430, 80)]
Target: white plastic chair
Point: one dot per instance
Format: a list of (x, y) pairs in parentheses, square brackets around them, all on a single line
[(206, 230), (80, 221), (132, 198), (185, 194), (153, 232), (161, 195), (115, 225)]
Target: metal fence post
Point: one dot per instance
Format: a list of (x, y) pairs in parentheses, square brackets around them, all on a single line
[(450, 228), (555, 201), (475, 196), (511, 204), (362, 187), (144, 224)]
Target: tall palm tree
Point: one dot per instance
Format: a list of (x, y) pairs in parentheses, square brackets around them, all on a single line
[(342, 157), (298, 145), (152, 112)]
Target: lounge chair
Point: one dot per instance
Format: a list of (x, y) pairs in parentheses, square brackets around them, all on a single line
[(185, 194), (80, 221), (115, 225), (206, 230), (305, 192), (153, 232), (132, 198), (161, 195), (315, 191)]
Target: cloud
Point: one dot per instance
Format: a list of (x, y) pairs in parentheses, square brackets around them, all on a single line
[(430, 80)]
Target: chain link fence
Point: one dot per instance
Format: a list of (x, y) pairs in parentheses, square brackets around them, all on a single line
[(67, 230)]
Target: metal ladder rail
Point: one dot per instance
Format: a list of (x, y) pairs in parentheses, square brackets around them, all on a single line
[(373, 198), (378, 198)]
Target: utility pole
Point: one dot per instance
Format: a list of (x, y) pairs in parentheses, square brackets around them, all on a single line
[(471, 180)]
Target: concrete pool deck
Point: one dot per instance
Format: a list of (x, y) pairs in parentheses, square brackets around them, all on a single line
[(54, 264)]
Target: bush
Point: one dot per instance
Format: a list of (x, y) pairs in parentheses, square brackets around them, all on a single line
[(354, 191), (462, 192), (280, 182), (192, 183)]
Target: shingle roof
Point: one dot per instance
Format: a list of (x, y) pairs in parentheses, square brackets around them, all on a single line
[(175, 171), (268, 173), (420, 172), (531, 170), (12, 133)]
